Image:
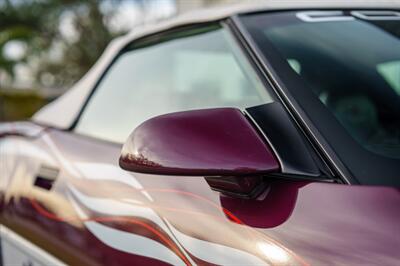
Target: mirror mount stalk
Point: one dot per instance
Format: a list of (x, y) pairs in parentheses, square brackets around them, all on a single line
[(245, 187)]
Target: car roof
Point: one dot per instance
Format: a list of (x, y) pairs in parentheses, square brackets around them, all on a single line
[(254, 6), (70, 104)]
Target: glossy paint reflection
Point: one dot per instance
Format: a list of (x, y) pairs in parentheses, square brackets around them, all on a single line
[(98, 214), (120, 208), (208, 142)]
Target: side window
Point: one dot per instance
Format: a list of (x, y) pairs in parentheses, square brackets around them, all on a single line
[(201, 69)]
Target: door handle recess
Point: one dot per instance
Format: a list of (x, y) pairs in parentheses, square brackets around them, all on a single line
[(46, 177)]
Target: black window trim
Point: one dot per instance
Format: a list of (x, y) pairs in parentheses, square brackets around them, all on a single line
[(294, 107), (326, 154)]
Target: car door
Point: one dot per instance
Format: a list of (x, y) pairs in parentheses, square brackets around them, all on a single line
[(79, 206), (190, 68), (66, 200)]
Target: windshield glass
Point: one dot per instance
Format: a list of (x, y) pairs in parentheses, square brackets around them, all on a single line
[(350, 61)]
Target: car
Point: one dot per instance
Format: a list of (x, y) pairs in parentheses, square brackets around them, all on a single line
[(244, 135)]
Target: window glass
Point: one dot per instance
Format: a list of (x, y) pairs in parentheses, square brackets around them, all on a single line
[(353, 68), (203, 70), (343, 73)]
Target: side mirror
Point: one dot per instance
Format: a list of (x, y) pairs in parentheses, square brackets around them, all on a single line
[(218, 144)]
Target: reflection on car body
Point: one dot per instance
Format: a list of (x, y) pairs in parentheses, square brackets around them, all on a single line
[(216, 140)]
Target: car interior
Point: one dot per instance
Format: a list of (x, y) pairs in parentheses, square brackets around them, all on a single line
[(362, 92)]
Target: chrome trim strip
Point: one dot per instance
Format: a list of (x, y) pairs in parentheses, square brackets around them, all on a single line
[(322, 16), (376, 15)]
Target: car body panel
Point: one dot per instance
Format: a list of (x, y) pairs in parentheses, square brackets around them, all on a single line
[(97, 213), (66, 194)]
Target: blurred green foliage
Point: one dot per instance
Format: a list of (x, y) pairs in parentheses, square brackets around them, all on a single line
[(38, 25), (19, 104), (55, 60)]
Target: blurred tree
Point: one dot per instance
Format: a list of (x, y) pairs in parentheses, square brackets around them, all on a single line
[(59, 59), (78, 54), (63, 38), (58, 41), (26, 21)]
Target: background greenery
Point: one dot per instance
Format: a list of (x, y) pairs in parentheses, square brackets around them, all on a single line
[(54, 59), (19, 105), (36, 26)]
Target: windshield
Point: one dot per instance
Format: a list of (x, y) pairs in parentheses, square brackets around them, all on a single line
[(350, 61)]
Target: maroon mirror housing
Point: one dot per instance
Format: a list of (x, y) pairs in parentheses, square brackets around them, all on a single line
[(217, 143)]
